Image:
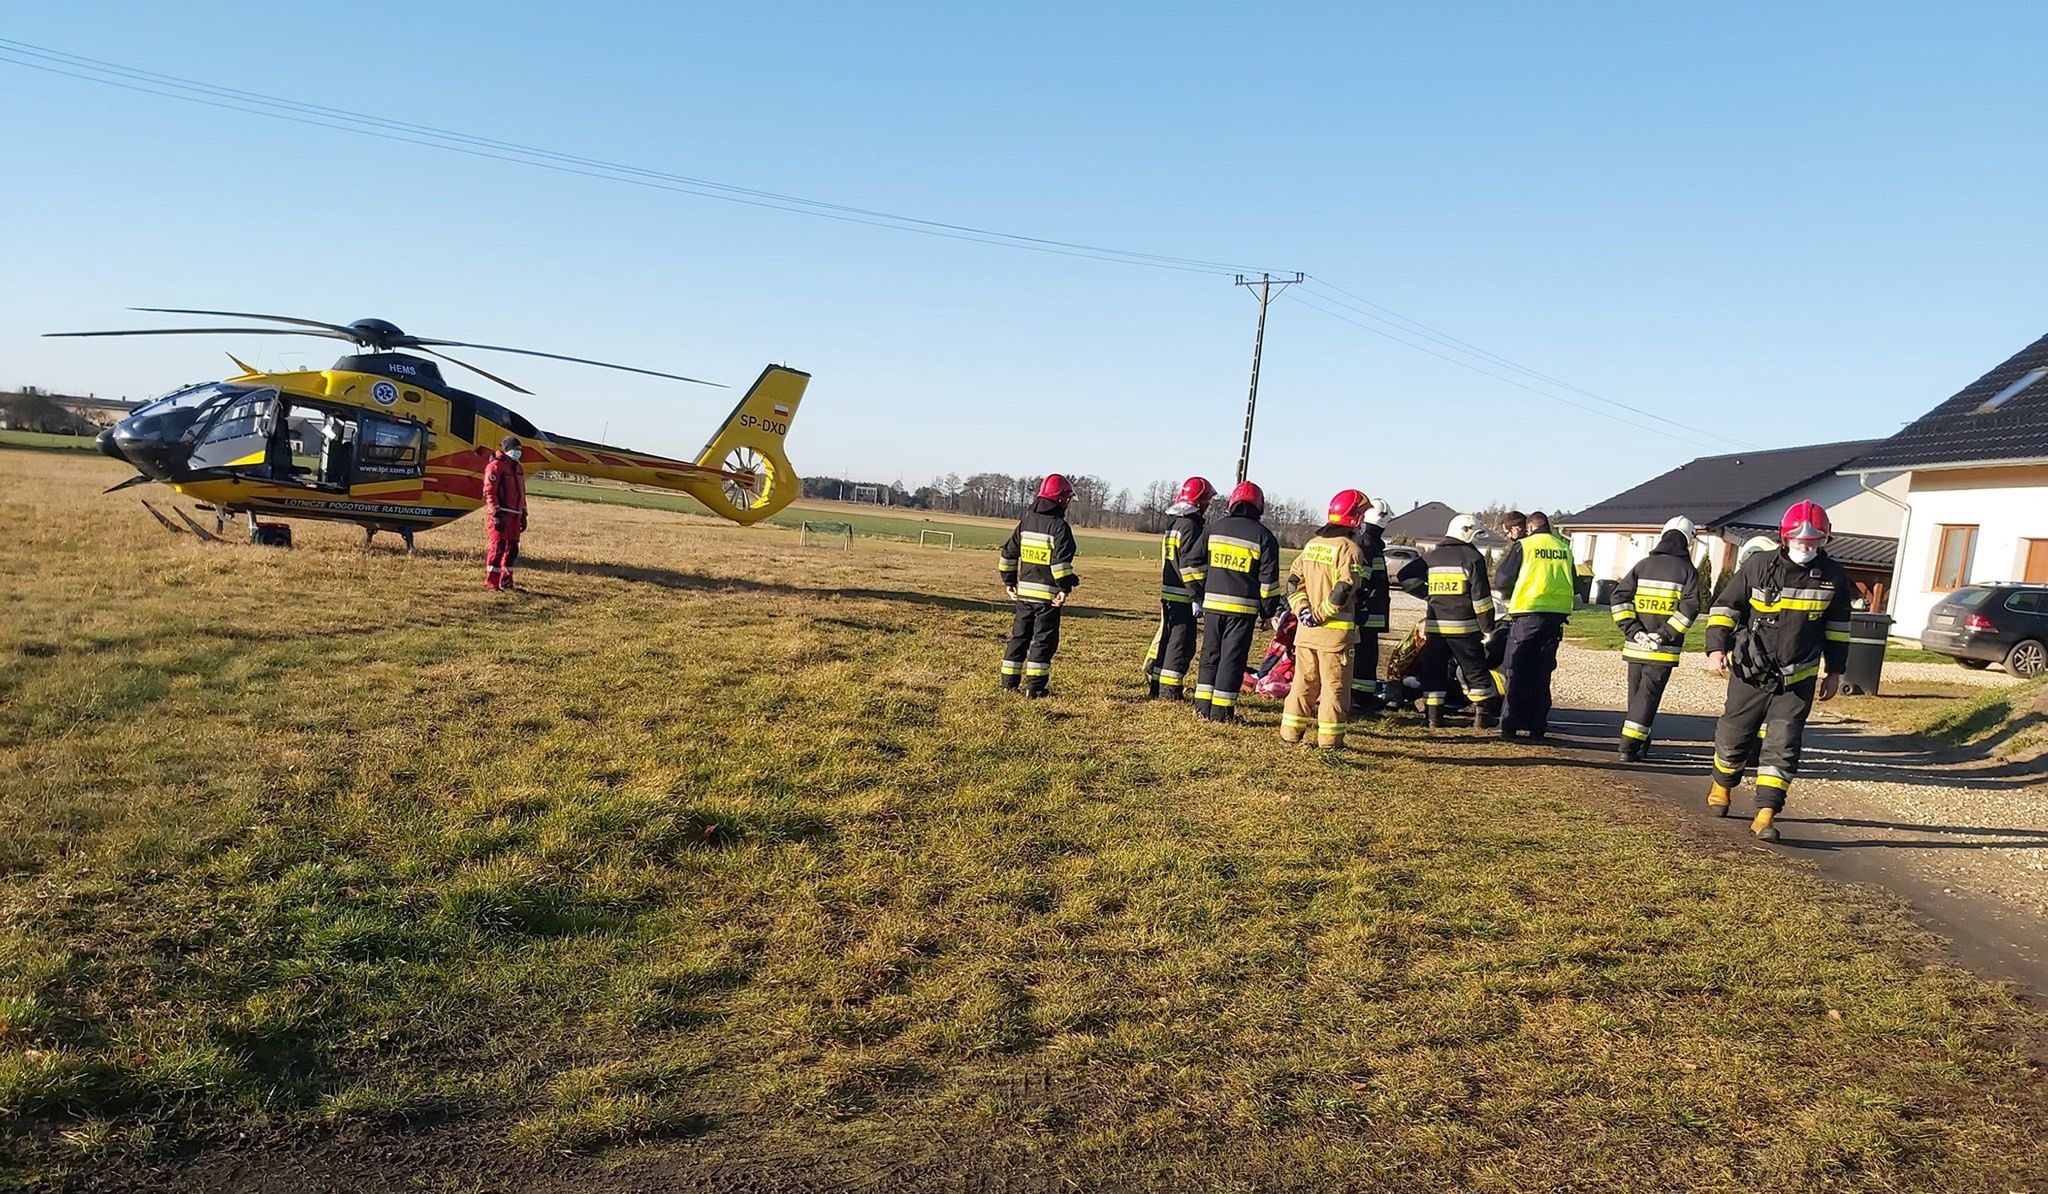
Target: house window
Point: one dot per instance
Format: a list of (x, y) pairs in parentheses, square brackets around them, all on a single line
[(2012, 391), (1952, 562)]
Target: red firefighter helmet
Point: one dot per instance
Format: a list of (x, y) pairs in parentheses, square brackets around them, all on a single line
[(1348, 507), (1248, 492), (1056, 488), (1805, 520), (1197, 492)]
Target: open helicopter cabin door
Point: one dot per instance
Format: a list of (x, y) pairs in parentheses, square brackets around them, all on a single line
[(240, 437)]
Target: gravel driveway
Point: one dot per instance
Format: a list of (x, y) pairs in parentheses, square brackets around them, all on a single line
[(1962, 834)]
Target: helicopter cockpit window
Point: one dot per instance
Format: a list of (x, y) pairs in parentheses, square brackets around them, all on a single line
[(181, 414), (240, 432), (389, 448)]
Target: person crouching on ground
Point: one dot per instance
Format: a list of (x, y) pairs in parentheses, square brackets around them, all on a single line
[(1322, 590), (1037, 567), (504, 512), (1452, 578)]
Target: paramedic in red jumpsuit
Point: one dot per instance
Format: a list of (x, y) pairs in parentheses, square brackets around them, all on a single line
[(505, 511)]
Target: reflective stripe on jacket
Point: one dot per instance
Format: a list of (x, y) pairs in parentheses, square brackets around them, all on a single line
[(504, 487), (1661, 595), (1802, 610), (1324, 581), (1176, 573), (1373, 592), (1239, 562), (1452, 578), (1038, 557)]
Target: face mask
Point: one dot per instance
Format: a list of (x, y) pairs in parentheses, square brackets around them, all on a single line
[(515, 453), (1802, 553)]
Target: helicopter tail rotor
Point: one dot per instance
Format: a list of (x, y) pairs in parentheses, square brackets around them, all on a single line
[(748, 449)]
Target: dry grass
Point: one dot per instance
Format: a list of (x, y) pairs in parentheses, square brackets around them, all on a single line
[(709, 836)]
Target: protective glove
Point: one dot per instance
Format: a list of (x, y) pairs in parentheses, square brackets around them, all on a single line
[(1197, 607), (1307, 616)]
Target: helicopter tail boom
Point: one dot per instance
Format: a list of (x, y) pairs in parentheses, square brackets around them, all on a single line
[(757, 479)]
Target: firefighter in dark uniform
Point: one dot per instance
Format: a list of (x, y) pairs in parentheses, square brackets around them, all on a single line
[(1782, 619), (1037, 566), (1322, 590), (1173, 648), (1654, 605), (1373, 605), (1237, 582), (1538, 581), (1452, 578)]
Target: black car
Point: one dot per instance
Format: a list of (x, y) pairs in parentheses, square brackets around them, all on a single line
[(1985, 624)]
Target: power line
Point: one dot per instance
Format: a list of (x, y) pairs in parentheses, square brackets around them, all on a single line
[(168, 86), (1264, 294), (112, 74), (1317, 305), (1417, 327)]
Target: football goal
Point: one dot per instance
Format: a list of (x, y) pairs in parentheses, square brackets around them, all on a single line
[(942, 538), (871, 494), (836, 534)]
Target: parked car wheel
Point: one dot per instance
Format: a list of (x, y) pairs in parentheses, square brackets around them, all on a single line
[(1975, 665), (2028, 658)]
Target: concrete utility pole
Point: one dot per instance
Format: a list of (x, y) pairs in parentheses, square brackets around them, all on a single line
[(1266, 283)]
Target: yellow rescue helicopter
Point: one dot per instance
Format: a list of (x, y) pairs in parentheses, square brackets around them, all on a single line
[(382, 441)]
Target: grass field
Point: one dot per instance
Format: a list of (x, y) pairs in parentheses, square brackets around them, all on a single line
[(36, 439), (967, 531), (713, 847)]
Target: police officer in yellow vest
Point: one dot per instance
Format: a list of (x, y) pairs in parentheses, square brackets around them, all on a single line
[(1322, 590), (1537, 578)]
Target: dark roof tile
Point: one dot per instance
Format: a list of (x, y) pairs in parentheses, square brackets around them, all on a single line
[(1711, 489), (1958, 432)]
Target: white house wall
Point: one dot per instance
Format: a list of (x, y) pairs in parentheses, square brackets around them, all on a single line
[(2005, 505), (1610, 554), (1851, 509)]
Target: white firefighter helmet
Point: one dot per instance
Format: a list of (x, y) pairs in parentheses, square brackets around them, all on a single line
[(1755, 545), (1376, 514), (1463, 528), (1683, 526)]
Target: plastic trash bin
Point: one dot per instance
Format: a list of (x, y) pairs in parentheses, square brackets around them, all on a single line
[(1601, 592), (1868, 634)]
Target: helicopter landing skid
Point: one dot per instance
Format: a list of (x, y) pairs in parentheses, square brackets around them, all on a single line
[(193, 525), (163, 522)]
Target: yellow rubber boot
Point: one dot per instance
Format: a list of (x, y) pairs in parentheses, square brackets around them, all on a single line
[(1717, 800), (1762, 826)]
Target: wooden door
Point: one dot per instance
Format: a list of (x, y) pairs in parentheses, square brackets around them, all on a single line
[(2035, 571)]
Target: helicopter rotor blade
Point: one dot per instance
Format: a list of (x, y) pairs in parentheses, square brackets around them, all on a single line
[(202, 332), (473, 369), (304, 323), (419, 342)]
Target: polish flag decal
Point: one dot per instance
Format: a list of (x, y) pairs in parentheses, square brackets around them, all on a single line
[(783, 411)]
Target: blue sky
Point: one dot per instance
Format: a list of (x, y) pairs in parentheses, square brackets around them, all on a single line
[(1779, 223)]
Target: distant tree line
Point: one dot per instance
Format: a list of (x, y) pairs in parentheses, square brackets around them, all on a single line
[(30, 409), (1096, 502)]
